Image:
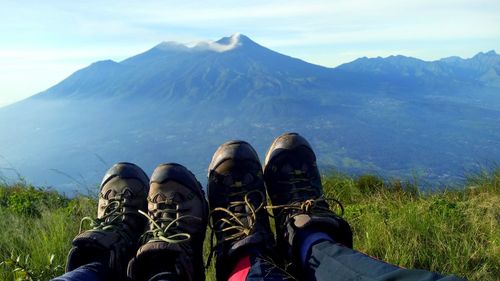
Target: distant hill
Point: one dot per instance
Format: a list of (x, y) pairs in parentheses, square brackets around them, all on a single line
[(481, 70), (396, 116)]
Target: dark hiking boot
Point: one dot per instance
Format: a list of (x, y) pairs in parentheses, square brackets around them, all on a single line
[(178, 215), (236, 195), (113, 237), (294, 184)]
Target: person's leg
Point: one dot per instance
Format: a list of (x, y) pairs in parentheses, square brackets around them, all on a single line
[(315, 241), (172, 248), (327, 260), (104, 249), (239, 220), (90, 272), (257, 267)]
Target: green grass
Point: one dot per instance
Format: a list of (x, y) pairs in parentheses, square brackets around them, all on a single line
[(453, 232)]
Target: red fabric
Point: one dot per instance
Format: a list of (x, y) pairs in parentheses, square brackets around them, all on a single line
[(240, 271)]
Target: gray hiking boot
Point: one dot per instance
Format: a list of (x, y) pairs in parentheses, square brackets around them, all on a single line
[(294, 184), (178, 215), (113, 236), (237, 199)]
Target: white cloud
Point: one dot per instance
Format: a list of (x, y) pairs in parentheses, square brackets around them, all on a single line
[(234, 42)]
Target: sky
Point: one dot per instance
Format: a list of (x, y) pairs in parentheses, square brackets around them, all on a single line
[(43, 42)]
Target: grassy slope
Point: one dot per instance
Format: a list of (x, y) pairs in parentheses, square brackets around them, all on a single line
[(450, 232)]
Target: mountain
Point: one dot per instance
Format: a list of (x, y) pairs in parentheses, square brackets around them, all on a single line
[(396, 116), (206, 71), (481, 70)]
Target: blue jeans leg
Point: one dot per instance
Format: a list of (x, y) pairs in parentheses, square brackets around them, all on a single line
[(332, 261), (89, 272)]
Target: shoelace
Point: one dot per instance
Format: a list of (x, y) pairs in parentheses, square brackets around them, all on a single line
[(241, 228), (113, 211), (302, 184), (309, 206), (169, 233)]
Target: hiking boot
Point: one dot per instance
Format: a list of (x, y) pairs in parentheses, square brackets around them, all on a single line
[(237, 200), (113, 236), (294, 185), (178, 215)]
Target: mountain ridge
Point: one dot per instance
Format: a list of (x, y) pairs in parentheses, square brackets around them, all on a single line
[(174, 67), (486, 65)]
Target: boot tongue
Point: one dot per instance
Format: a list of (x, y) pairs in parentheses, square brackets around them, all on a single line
[(162, 201)]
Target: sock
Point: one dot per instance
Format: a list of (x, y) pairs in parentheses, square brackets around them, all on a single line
[(241, 269), (308, 238)]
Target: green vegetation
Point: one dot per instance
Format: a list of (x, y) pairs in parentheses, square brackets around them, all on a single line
[(36, 228), (453, 231)]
